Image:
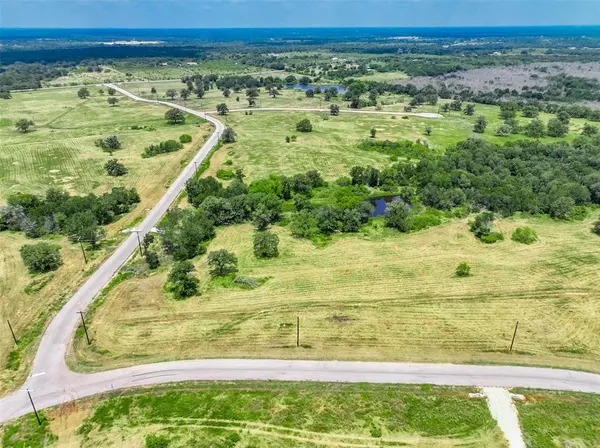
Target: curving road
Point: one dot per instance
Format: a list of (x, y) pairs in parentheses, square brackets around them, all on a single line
[(52, 383)]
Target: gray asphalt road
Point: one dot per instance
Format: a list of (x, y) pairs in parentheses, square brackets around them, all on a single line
[(52, 383)]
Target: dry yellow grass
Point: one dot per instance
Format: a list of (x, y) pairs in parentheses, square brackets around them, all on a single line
[(373, 297)]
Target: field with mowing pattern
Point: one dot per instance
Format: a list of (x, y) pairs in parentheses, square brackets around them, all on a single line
[(269, 414), (378, 295), (60, 152)]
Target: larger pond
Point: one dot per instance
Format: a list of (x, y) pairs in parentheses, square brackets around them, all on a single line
[(305, 87), (381, 204)]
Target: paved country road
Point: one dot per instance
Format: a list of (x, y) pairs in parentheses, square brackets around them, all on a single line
[(51, 382)]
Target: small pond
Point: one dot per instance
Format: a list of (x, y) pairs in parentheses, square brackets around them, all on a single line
[(303, 87), (381, 203)]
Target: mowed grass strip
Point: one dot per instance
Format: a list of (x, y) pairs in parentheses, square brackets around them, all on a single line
[(559, 419), (272, 414), (376, 296)]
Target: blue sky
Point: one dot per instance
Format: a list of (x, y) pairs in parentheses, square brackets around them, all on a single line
[(293, 13)]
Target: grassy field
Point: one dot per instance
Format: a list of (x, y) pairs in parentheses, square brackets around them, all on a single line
[(560, 419), (269, 415), (376, 296), (60, 153), (454, 127)]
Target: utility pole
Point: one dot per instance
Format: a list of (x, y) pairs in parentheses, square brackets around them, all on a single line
[(137, 234), (87, 336), (298, 331), (196, 165), (33, 406), (12, 332), (514, 336), (83, 251)]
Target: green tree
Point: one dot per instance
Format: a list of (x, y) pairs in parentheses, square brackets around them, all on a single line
[(226, 92), (181, 281), (310, 93), (525, 235), (304, 125), (482, 225), (83, 93), (23, 125), (171, 93), (373, 132), (41, 257), (428, 130), (266, 245), (222, 109), (557, 128), (480, 124), (469, 109), (596, 228), (228, 135), (589, 130), (563, 116), (83, 226), (463, 270), (115, 168), (185, 138), (175, 116), (334, 110), (153, 90), (262, 217), (111, 91), (222, 262), (535, 129), (303, 224), (562, 207), (398, 216), (530, 111), (151, 259), (111, 100), (110, 143)]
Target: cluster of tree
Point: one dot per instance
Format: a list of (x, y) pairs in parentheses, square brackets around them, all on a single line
[(481, 227), (20, 76), (522, 176), (184, 233), (79, 217), (308, 221), (162, 148)]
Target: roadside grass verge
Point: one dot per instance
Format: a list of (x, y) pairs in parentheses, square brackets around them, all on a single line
[(270, 414), (559, 419)]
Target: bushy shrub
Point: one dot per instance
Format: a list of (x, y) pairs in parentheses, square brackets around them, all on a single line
[(181, 282), (228, 136), (492, 238), (463, 270), (424, 221), (185, 138), (115, 168), (304, 125), (596, 228), (162, 148), (266, 245), (225, 174), (41, 257), (525, 235)]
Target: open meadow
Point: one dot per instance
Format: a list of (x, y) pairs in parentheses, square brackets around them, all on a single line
[(267, 414), (60, 152), (379, 295)]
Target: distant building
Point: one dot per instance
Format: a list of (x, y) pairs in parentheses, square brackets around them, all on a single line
[(164, 64), (192, 63)]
